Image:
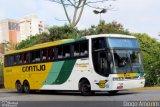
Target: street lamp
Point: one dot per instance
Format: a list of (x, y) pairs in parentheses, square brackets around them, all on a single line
[(100, 12)]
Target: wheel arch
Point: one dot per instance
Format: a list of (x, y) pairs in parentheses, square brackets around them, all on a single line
[(83, 79)]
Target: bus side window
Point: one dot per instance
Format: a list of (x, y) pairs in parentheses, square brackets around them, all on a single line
[(76, 49), (44, 53), (66, 51), (14, 60), (37, 56), (51, 54), (98, 43), (32, 56), (26, 58), (60, 52), (84, 48), (19, 58)]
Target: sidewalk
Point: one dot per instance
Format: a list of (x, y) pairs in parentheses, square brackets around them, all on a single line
[(146, 88)]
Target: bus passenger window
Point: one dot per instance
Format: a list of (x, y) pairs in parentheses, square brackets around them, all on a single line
[(76, 49), (37, 56), (66, 51), (14, 60), (19, 58), (84, 48), (26, 58), (32, 55), (60, 52), (44, 54), (51, 54)]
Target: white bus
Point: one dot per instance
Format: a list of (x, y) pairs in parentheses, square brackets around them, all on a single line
[(105, 62)]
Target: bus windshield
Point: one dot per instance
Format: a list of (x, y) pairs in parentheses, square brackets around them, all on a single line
[(127, 61), (122, 43)]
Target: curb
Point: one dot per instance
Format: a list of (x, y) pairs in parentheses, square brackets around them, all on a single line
[(146, 88)]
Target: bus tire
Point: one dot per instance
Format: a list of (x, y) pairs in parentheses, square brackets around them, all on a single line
[(19, 87), (113, 92), (85, 88), (26, 86)]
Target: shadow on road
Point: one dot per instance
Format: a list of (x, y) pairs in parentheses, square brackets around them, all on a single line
[(73, 93)]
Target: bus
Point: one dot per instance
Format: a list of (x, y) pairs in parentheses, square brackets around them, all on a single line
[(104, 62)]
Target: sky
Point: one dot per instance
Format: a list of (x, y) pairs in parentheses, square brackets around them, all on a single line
[(141, 16)]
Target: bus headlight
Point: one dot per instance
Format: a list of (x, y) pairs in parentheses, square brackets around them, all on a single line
[(118, 78)]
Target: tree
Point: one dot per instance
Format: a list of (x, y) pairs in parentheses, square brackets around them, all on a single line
[(78, 6), (106, 28), (55, 33)]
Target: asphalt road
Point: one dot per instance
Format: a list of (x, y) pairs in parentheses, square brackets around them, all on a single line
[(68, 99)]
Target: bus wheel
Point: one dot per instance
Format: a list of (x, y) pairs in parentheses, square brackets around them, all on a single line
[(26, 86), (19, 87), (113, 92), (85, 88)]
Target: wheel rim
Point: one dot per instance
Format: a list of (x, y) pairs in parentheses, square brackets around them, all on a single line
[(18, 86), (26, 87), (85, 88)]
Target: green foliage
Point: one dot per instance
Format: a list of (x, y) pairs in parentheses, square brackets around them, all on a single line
[(55, 33), (149, 46), (104, 28), (151, 58)]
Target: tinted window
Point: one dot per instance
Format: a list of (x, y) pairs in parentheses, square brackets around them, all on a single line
[(51, 53), (66, 51), (98, 43), (44, 53), (84, 48), (76, 49), (122, 43), (60, 52)]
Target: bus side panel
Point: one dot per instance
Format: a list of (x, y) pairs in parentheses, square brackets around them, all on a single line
[(35, 76)]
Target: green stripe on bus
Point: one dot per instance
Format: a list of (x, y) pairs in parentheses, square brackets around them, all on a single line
[(74, 40), (54, 72), (65, 71)]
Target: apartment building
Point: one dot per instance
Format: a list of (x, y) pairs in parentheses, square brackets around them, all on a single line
[(9, 32), (13, 31), (30, 26)]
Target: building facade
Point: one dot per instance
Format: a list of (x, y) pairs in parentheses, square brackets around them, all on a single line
[(9, 33), (13, 31), (30, 26)]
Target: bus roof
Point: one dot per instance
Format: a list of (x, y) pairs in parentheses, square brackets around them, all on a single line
[(43, 45), (59, 42), (110, 35)]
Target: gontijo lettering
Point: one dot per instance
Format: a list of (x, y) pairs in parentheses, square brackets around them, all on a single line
[(33, 68)]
